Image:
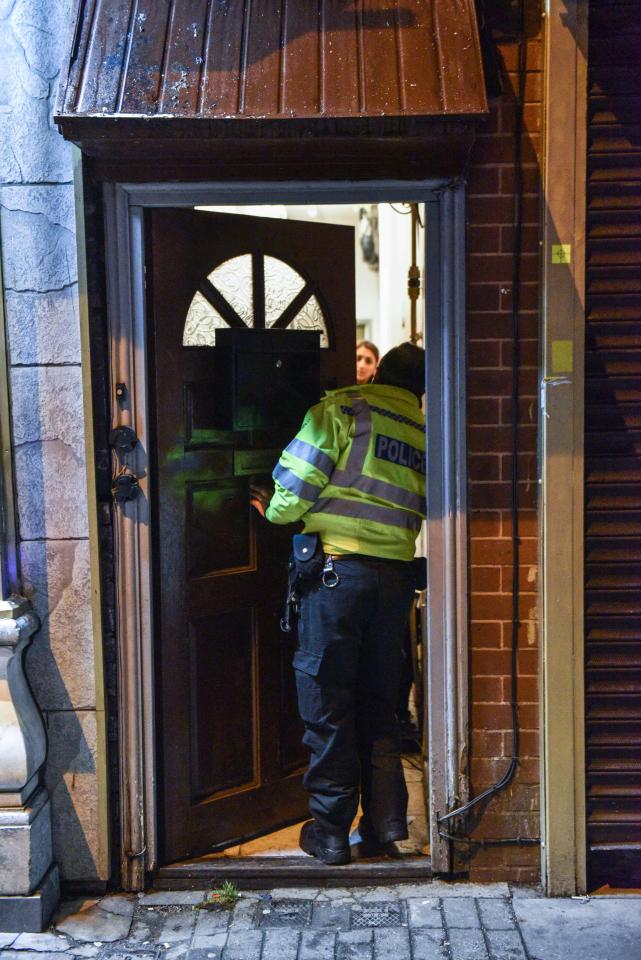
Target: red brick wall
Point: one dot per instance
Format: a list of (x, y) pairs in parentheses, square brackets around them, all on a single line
[(490, 264)]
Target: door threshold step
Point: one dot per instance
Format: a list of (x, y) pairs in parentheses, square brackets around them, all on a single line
[(261, 873)]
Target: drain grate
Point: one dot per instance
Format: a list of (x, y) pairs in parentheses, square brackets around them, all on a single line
[(286, 913), (377, 915)]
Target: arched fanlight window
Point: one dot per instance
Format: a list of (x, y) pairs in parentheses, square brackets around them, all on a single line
[(252, 290)]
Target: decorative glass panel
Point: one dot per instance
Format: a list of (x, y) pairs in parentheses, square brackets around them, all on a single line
[(233, 279), (310, 317), (282, 283), (201, 323)]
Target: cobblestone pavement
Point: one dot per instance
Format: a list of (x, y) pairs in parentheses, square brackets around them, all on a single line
[(431, 921)]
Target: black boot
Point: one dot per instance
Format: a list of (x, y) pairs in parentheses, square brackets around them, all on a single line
[(322, 845), (371, 846)]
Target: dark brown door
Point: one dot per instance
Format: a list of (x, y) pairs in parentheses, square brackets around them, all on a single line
[(230, 754)]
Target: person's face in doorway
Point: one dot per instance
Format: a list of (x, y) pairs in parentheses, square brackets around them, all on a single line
[(365, 365)]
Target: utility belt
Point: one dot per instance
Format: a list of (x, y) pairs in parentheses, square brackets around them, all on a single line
[(307, 566)]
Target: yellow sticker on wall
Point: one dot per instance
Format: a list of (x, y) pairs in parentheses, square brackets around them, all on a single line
[(562, 356), (561, 253)]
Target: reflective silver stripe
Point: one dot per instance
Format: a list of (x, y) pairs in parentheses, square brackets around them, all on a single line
[(360, 443), (382, 489), (289, 480), (391, 516), (310, 454)]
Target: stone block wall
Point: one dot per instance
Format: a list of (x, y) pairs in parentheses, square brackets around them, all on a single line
[(39, 263)]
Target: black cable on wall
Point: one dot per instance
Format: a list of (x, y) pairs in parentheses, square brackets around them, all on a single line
[(460, 820)]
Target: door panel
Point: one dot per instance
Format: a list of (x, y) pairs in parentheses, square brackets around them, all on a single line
[(223, 678), (231, 758)]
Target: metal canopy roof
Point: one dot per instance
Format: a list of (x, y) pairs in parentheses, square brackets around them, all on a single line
[(203, 69)]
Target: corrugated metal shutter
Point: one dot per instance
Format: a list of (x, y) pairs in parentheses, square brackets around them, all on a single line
[(613, 445)]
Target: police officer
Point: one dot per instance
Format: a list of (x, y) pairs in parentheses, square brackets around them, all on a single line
[(355, 474)]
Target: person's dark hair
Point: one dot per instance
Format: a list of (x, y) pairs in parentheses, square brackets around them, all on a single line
[(369, 346), (403, 366)]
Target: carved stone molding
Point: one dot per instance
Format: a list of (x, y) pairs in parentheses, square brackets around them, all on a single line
[(23, 742), (29, 886)]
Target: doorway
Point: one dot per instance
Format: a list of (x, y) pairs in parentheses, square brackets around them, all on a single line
[(176, 725)]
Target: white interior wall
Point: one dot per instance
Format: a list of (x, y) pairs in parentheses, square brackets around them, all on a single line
[(395, 244)]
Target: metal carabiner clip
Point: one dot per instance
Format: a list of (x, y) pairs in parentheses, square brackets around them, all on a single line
[(330, 578)]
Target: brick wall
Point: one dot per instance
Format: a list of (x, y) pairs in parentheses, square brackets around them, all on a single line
[(490, 264)]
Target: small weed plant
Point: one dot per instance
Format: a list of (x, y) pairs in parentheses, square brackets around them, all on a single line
[(223, 897)]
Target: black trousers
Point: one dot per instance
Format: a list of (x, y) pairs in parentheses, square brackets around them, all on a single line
[(348, 668)]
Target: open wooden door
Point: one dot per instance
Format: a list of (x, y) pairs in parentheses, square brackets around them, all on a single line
[(230, 756)]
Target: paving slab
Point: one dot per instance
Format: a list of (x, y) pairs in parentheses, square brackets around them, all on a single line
[(428, 945), (212, 949), (505, 945), (300, 893), (244, 914), (424, 912), (177, 927), (211, 953), (594, 929), (467, 945), (476, 928), (391, 942), (525, 891), (168, 898), (408, 891), (122, 906), (30, 955), (355, 936), (41, 943), (355, 945), (210, 922), (461, 912), (280, 945), (334, 893), (375, 894), (243, 945), (440, 888), (177, 952), (317, 945), (496, 914), (94, 922), (146, 926)]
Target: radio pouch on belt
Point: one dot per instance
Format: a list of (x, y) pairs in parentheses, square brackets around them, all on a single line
[(305, 567), (307, 556)]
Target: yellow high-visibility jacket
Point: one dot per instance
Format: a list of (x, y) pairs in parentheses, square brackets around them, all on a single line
[(355, 472)]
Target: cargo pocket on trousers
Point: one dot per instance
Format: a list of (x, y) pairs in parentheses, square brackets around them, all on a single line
[(307, 662), (310, 701)]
